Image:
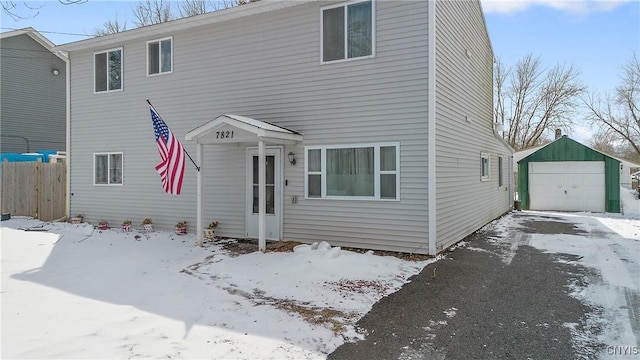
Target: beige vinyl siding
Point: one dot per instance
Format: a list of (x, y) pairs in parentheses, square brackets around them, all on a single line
[(32, 98), (266, 67), (464, 89)]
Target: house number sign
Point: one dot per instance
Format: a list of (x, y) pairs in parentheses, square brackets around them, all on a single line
[(224, 134)]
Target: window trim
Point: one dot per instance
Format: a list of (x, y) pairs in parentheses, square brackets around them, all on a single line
[(108, 154), (121, 70), (483, 177), (377, 172), (159, 41), (501, 162), (373, 32)]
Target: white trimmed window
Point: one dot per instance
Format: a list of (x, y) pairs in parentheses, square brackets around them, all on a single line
[(160, 56), (500, 171), (368, 171), (107, 168), (107, 67), (485, 167), (347, 31)]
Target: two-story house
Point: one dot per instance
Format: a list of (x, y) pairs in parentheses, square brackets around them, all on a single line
[(33, 106), (373, 121)]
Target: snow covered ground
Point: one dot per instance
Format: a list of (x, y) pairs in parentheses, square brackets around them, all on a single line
[(75, 292)]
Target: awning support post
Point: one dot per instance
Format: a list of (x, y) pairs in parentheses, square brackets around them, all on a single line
[(262, 190)]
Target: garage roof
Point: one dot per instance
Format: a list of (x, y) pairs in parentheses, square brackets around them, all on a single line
[(566, 149)]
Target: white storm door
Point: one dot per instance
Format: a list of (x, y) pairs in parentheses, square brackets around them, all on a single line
[(567, 186), (273, 193)]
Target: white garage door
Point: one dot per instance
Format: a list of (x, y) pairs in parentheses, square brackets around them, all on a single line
[(567, 186)]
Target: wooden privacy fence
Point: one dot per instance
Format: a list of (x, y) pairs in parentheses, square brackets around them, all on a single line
[(34, 189)]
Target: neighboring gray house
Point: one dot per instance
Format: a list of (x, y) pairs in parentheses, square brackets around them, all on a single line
[(627, 168), (378, 137), (32, 93)]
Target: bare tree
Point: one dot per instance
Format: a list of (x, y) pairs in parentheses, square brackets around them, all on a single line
[(196, 7), (534, 102), (13, 8), (620, 113), (499, 77), (627, 151), (151, 12), (111, 27), (189, 8), (605, 141)]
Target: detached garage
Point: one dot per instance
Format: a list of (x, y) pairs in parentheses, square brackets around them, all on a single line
[(568, 176)]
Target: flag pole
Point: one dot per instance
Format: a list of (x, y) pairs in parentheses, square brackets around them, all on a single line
[(185, 150)]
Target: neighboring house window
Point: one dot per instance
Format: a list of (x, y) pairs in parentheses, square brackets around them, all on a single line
[(107, 169), (500, 171), (353, 172), (108, 70), (159, 56), (347, 31), (484, 167)]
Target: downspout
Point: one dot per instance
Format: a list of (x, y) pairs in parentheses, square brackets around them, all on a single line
[(511, 182), (431, 121), (65, 56)]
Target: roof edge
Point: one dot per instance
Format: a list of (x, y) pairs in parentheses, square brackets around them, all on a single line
[(37, 37), (33, 33), (213, 17), (575, 141), (503, 141)]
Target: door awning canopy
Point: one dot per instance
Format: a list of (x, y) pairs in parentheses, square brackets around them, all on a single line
[(228, 129)]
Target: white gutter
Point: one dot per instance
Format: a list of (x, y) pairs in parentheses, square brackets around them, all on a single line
[(431, 136)]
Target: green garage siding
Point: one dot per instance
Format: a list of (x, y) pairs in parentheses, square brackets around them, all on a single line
[(565, 149)]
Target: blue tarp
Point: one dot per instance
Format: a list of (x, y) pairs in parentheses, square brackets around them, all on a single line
[(42, 155)]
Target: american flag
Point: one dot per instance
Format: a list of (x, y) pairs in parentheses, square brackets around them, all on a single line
[(171, 168)]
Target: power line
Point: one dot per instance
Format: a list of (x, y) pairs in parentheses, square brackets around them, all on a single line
[(50, 32), (24, 49)]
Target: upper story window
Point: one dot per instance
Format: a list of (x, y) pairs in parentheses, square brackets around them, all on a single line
[(108, 70), (160, 56), (353, 172), (484, 167), (347, 31), (107, 168)]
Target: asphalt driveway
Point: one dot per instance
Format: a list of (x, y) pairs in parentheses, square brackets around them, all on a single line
[(497, 297)]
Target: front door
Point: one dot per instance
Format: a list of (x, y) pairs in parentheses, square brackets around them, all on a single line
[(273, 193)]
